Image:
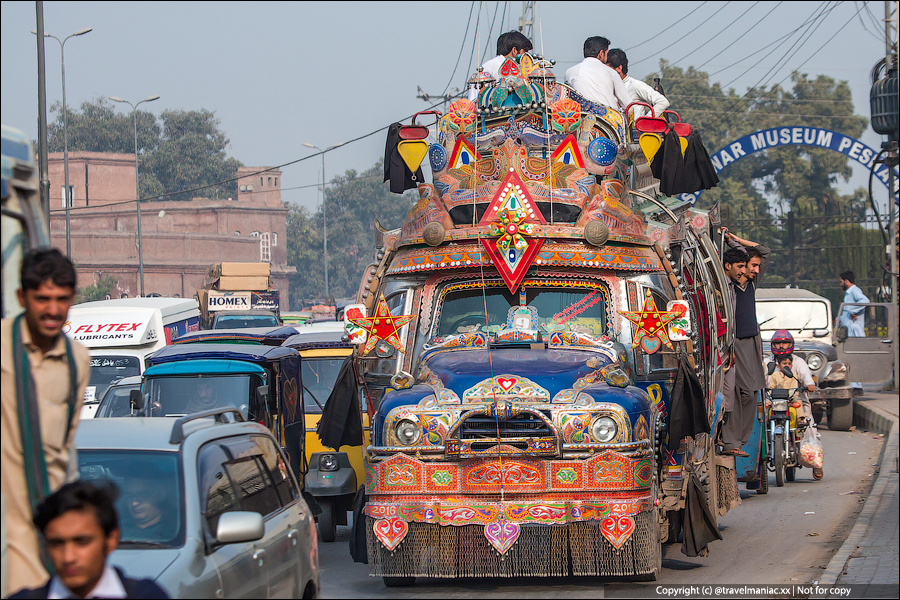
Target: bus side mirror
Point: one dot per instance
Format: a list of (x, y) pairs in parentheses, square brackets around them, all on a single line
[(137, 400)]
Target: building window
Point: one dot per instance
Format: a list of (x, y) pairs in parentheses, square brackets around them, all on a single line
[(260, 182), (62, 196), (276, 182), (237, 233), (265, 254), (274, 239), (270, 182), (254, 234)]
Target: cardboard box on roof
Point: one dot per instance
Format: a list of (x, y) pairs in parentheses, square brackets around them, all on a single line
[(242, 269), (238, 283)]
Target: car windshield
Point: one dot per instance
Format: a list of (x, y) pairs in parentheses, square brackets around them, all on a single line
[(786, 314), (171, 396), (318, 376), (117, 401), (579, 310), (107, 369), (150, 507), (245, 321)]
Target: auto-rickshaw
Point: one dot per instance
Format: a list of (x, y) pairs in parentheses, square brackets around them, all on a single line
[(334, 475)]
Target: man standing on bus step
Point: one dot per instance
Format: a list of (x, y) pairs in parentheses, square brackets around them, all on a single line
[(749, 379), (44, 375)]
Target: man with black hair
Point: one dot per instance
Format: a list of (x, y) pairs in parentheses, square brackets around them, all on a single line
[(853, 317), (44, 375), (746, 379), (639, 91), (80, 529), (594, 80), (511, 44)]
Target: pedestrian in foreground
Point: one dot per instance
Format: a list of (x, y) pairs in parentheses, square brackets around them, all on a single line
[(80, 529), (42, 389)]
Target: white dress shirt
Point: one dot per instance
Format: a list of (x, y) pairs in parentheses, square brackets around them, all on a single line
[(642, 92), (598, 83), (109, 586), (492, 68)]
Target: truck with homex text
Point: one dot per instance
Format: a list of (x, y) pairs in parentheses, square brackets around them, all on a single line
[(238, 295)]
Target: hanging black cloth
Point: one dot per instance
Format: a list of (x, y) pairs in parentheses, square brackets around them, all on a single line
[(341, 424), (668, 165), (358, 550), (699, 172), (687, 406), (700, 527), (395, 169)]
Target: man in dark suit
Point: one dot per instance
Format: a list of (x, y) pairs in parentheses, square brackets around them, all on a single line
[(80, 529)]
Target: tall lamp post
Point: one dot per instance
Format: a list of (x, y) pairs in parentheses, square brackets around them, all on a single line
[(67, 200), (137, 190), (324, 220)]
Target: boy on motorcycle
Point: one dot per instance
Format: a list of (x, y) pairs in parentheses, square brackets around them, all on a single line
[(782, 345)]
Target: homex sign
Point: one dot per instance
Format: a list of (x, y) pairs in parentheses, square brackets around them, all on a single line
[(228, 301), (796, 136)]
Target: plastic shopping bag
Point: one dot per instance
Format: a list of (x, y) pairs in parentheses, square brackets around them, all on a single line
[(811, 452)]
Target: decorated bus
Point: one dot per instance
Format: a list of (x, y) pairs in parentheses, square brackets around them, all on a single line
[(541, 344)]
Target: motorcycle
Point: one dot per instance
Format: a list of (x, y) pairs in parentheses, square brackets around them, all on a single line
[(785, 431)]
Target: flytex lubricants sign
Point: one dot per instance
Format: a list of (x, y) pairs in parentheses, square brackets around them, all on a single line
[(111, 328), (797, 136)]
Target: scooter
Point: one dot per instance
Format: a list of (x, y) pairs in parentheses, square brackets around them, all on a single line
[(785, 430)]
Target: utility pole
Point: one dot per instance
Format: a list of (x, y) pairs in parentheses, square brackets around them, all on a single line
[(890, 66), (526, 21), (43, 157), (450, 95)]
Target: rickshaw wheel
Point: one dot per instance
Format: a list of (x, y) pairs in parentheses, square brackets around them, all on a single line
[(327, 527)]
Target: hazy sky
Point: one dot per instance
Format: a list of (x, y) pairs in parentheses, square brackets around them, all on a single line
[(278, 74)]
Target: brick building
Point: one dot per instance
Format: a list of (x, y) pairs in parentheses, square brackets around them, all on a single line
[(180, 239)]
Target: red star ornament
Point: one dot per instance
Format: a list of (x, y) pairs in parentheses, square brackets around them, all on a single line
[(651, 323), (382, 326)]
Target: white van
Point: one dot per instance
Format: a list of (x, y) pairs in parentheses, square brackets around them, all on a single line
[(121, 334)]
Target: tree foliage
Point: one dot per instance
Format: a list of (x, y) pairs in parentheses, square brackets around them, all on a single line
[(179, 152), (353, 202), (98, 291)]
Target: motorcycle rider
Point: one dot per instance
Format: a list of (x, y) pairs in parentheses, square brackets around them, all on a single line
[(782, 346)]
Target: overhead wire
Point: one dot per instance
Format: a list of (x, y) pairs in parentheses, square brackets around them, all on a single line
[(462, 46), (740, 37), (667, 28), (719, 31), (684, 36)]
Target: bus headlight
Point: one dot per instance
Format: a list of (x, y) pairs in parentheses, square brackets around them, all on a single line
[(604, 430), (407, 432)]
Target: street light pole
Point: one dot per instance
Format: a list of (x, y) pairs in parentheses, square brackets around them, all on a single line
[(66, 195), (324, 219), (137, 189)]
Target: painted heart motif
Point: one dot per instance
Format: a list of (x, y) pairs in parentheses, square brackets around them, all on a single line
[(617, 529), (506, 383), (390, 532), (650, 344), (502, 535)]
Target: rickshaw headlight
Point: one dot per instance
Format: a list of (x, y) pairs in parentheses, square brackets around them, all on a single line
[(604, 430), (328, 462), (407, 432), (815, 361)]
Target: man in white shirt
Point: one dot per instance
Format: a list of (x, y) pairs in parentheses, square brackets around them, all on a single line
[(594, 80), (511, 44), (639, 91)]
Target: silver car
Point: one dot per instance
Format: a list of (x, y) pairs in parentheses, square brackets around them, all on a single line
[(209, 506)]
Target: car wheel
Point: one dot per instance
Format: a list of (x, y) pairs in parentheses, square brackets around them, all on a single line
[(840, 417), (327, 528)]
